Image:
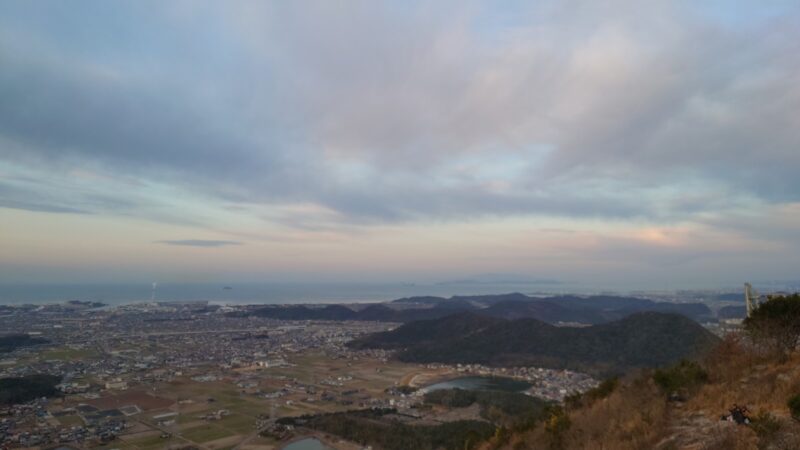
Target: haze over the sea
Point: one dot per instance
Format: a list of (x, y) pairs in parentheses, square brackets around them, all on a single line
[(293, 293), (255, 293)]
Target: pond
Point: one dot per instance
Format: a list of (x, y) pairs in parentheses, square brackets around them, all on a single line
[(306, 444), (480, 384)]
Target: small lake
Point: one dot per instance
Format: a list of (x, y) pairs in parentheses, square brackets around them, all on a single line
[(480, 384), (306, 444)]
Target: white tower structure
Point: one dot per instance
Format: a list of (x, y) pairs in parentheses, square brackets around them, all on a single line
[(750, 298)]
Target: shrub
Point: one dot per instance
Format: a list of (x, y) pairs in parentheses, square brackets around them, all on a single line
[(501, 436), (452, 398), (604, 389), (507, 408), (601, 391), (556, 427), (574, 401), (794, 406), (686, 375), (765, 425), (775, 324), (407, 390)]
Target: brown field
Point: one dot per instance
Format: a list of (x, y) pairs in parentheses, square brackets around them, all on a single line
[(206, 433), (70, 421), (224, 443), (262, 443), (142, 399), (370, 378), (147, 441)]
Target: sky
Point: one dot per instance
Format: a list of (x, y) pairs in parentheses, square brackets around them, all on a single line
[(583, 140)]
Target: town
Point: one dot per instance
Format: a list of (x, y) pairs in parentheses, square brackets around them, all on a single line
[(167, 374)]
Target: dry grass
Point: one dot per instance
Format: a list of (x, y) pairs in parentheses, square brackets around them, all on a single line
[(633, 417), (637, 415), (742, 377)]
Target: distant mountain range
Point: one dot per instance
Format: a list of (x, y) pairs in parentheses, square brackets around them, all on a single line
[(645, 339), (554, 310)]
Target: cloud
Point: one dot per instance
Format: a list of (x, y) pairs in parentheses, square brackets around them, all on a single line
[(14, 197), (199, 243), (39, 207), (387, 114)]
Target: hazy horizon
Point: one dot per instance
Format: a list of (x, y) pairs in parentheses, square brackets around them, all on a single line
[(255, 292), (602, 143)]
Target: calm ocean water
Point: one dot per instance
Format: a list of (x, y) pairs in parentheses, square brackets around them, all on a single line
[(115, 294)]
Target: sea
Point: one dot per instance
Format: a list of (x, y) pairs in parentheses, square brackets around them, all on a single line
[(259, 293)]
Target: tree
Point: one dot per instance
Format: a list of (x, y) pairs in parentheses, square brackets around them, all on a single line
[(556, 427), (794, 406), (685, 376), (27, 388), (776, 324)]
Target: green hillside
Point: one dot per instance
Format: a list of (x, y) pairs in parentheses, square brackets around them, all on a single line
[(640, 340)]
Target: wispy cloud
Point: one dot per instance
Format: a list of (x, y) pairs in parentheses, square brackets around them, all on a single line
[(199, 243), (40, 207), (28, 200), (612, 94)]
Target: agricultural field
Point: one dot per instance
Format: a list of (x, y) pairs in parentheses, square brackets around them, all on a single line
[(221, 413), (67, 354), (206, 433)]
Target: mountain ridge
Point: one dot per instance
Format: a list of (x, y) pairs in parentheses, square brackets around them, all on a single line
[(557, 309), (645, 339)]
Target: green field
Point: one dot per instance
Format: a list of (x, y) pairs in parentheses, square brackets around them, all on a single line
[(191, 417), (225, 397), (118, 444), (206, 433), (66, 353), (153, 442), (238, 423), (70, 421), (251, 408)]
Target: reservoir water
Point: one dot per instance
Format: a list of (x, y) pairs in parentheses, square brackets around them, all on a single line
[(306, 444), (480, 384)]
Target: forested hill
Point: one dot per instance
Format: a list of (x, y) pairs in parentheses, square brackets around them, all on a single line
[(640, 340), (11, 342), (27, 388), (586, 310), (377, 312)]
